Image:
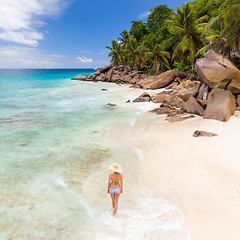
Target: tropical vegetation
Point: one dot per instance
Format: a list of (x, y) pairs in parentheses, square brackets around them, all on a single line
[(175, 40)]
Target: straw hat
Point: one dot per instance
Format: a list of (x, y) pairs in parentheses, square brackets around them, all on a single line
[(115, 167)]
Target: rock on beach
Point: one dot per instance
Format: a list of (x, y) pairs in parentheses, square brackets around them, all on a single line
[(218, 72), (209, 93), (159, 81), (220, 105)]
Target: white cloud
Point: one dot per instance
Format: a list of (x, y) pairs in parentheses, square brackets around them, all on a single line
[(144, 15), (24, 37), (86, 52), (84, 59), (95, 51), (20, 18), (26, 57)]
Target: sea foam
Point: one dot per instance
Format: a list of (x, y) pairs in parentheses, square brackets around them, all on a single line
[(148, 218)]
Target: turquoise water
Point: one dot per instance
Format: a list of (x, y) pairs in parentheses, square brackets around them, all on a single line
[(57, 138)]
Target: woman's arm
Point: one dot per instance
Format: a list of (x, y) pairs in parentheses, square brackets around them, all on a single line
[(109, 183), (121, 183)]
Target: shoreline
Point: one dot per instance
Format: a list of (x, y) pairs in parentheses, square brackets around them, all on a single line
[(159, 217), (198, 174), (213, 91)]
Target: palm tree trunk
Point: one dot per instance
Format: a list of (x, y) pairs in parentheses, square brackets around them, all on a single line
[(166, 65), (153, 69)]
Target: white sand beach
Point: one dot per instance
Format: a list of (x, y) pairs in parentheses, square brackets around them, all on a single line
[(201, 175)]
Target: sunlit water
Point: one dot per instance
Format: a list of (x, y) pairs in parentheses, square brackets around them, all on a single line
[(57, 139)]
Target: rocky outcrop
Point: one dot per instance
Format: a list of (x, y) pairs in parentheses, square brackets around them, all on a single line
[(116, 78), (110, 73), (124, 75), (177, 102), (164, 96), (220, 105), (218, 72), (102, 77), (105, 68), (203, 92), (159, 81), (126, 78), (203, 103), (172, 85), (186, 75), (186, 92), (192, 106), (145, 97), (234, 85), (79, 77), (167, 109), (173, 114)]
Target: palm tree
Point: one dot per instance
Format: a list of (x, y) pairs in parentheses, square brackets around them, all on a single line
[(125, 37), (186, 40), (132, 54), (154, 54), (223, 29), (229, 21), (134, 57), (116, 52), (230, 10)]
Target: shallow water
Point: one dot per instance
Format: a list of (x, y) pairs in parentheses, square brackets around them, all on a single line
[(57, 139)]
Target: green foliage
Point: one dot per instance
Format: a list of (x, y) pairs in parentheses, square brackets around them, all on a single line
[(116, 52), (223, 29), (168, 39), (149, 70), (207, 7), (186, 40), (138, 29), (125, 37), (183, 67), (155, 57), (157, 17)]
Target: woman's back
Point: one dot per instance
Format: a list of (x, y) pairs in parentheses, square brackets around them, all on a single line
[(115, 178)]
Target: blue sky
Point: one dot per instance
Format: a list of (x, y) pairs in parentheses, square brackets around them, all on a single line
[(66, 33)]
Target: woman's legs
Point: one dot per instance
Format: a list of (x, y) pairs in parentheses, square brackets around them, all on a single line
[(116, 197), (113, 200)]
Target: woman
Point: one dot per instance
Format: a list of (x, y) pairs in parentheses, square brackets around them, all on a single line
[(115, 185)]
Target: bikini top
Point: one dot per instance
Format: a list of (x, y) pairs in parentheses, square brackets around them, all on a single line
[(115, 182)]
